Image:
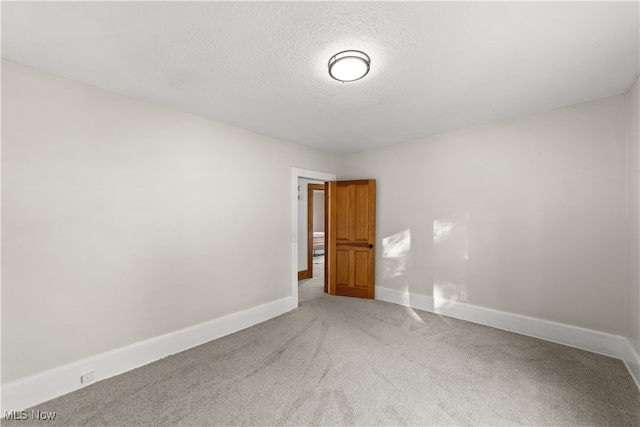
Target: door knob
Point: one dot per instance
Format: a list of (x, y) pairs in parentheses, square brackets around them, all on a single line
[(370, 245)]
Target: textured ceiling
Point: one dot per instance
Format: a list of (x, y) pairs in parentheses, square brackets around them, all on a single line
[(262, 66)]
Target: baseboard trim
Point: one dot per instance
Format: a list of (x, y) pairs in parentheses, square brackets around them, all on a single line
[(573, 336), (304, 274), (632, 361), (38, 388)]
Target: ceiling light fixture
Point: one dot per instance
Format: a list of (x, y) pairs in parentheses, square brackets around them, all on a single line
[(349, 65)]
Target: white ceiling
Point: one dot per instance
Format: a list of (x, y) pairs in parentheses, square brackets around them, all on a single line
[(262, 66)]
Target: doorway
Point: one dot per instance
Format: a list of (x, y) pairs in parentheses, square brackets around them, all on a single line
[(305, 236), (296, 175), (315, 227)]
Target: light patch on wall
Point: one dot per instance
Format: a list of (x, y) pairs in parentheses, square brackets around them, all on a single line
[(395, 252), (441, 229), (451, 249), (444, 292)]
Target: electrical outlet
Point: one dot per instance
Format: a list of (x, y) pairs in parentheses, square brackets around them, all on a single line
[(463, 296), (87, 378)]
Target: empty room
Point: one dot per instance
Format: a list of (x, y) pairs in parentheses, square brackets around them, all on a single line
[(320, 213)]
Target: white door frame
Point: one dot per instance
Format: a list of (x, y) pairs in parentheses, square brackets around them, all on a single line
[(295, 175)]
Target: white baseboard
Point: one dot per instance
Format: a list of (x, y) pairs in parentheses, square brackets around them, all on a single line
[(632, 361), (573, 336), (35, 389), (32, 390)]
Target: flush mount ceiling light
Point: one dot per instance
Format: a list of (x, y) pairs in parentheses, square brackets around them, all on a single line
[(349, 65)]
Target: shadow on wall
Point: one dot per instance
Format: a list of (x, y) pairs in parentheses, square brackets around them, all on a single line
[(451, 258)]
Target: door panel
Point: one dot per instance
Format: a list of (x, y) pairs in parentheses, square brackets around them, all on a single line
[(343, 219), (361, 223), (361, 267), (351, 238), (343, 270)]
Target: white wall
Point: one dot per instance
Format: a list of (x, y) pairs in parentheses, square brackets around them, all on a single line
[(318, 210), (124, 220), (526, 215), (633, 192)]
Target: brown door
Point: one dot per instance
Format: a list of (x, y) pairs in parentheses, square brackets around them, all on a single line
[(351, 238)]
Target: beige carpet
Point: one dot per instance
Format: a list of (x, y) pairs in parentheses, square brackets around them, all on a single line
[(345, 361)]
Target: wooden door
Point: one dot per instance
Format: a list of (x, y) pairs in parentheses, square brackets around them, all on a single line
[(351, 238)]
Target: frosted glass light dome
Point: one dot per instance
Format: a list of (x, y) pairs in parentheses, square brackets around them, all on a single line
[(349, 65)]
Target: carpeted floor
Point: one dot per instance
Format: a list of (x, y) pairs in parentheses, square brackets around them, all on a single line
[(346, 361)]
